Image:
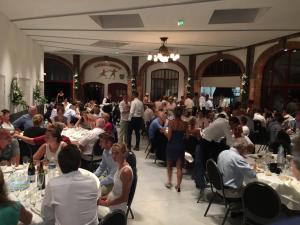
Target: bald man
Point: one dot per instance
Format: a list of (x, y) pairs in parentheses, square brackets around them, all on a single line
[(25, 121), (86, 143)]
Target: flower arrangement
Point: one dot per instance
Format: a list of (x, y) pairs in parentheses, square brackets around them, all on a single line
[(16, 95), (245, 87), (37, 95)]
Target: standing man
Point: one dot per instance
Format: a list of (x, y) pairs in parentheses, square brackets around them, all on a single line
[(124, 110), (107, 104), (136, 120)]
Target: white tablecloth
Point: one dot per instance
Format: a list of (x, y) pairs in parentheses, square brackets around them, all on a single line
[(23, 196), (74, 134), (287, 187)]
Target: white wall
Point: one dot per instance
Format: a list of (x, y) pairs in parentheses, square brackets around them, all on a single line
[(20, 57)]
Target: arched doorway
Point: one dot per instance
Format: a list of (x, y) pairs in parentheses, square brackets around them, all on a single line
[(59, 76), (164, 82), (281, 80), (93, 91), (220, 75), (117, 90)]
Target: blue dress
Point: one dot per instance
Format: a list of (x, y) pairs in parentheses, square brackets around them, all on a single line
[(176, 145)]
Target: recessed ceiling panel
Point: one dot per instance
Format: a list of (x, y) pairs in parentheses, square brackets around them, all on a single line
[(234, 16), (119, 21), (108, 44)]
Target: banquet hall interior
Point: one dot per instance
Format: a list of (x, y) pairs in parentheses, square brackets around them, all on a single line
[(211, 89)]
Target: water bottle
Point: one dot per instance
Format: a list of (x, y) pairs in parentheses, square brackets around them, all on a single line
[(280, 157)]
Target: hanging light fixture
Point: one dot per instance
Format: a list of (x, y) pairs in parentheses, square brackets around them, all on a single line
[(164, 54)]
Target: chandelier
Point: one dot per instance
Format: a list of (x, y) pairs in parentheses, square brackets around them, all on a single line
[(164, 54)]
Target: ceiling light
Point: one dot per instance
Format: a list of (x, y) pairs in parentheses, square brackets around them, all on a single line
[(295, 50), (164, 53)]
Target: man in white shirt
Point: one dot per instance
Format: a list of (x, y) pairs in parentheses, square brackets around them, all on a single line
[(202, 102), (136, 120), (210, 145), (124, 107), (189, 104), (70, 113), (258, 116), (107, 104), (72, 197), (86, 143), (208, 103)]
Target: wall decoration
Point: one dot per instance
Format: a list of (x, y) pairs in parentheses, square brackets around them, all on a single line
[(109, 70), (38, 97), (16, 95)]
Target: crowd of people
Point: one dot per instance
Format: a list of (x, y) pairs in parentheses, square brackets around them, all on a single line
[(192, 124)]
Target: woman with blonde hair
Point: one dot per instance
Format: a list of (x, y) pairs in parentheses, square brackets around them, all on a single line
[(53, 144), (11, 212), (37, 129), (118, 197)]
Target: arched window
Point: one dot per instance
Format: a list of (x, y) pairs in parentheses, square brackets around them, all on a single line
[(59, 76), (281, 80), (164, 82), (222, 67)]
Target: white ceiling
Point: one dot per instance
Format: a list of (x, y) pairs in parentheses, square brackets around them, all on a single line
[(66, 26)]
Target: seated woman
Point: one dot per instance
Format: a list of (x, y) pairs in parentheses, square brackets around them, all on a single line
[(60, 116), (6, 124), (36, 130), (11, 212), (118, 197), (9, 148), (53, 145), (84, 121)]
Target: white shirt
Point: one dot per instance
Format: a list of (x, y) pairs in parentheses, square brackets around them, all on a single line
[(124, 110), (70, 199), (89, 139), (148, 115), (218, 129), (70, 113), (246, 131), (208, 105), (188, 103), (202, 102), (53, 113), (136, 108), (260, 118)]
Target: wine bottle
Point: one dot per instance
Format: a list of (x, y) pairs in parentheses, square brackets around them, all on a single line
[(41, 177), (31, 172)]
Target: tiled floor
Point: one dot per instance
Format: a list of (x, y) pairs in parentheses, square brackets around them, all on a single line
[(155, 204)]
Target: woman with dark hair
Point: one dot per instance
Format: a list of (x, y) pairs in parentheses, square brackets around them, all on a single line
[(60, 110), (53, 144), (6, 121), (176, 134), (60, 97), (11, 212)]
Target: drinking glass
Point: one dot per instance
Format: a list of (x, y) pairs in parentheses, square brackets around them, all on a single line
[(26, 161)]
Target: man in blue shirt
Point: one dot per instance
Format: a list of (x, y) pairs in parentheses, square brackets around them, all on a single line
[(234, 168), (107, 167), (25, 121)]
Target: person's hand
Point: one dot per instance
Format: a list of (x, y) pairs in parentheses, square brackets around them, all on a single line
[(102, 202)]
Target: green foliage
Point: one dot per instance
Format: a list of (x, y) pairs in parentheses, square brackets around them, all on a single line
[(16, 95), (37, 95)]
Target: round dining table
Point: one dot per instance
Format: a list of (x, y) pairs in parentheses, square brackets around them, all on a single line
[(31, 198)]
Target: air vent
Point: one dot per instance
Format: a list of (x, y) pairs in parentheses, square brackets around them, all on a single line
[(108, 44), (118, 21), (224, 16)]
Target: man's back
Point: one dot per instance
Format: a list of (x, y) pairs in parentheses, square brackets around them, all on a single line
[(71, 199)]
